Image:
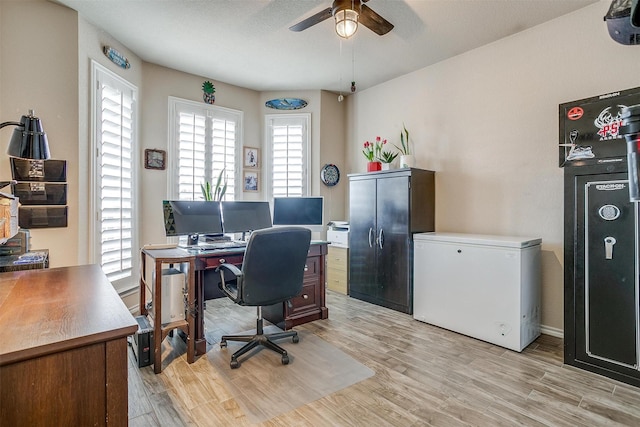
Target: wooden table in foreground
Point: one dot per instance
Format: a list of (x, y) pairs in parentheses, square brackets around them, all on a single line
[(63, 348)]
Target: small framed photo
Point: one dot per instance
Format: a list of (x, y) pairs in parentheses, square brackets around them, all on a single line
[(155, 159), (250, 181), (251, 155)]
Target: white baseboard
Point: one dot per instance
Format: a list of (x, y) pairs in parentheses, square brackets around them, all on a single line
[(554, 332)]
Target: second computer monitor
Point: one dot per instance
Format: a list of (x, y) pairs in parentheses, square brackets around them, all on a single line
[(243, 216)]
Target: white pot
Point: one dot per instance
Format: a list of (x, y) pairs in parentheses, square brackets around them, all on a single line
[(407, 161), (386, 166)]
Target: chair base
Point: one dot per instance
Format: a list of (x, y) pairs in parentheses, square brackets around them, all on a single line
[(259, 339)]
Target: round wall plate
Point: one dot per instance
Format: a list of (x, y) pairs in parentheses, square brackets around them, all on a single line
[(330, 175)]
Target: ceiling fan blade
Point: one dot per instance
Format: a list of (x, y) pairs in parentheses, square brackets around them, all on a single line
[(312, 20), (373, 21)]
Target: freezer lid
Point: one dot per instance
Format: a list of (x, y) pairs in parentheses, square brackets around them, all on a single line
[(478, 239)]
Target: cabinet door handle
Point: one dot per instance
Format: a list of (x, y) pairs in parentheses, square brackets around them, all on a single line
[(381, 238), (370, 235)]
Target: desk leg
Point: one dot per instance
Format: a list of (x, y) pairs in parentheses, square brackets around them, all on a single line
[(191, 312), (200, 341), (157, 319)]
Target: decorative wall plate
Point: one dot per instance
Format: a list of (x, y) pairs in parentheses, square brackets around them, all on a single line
[(286, 103), (330, 175), (116, 57)]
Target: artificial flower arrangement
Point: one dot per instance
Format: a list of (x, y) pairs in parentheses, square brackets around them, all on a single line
[(373, 150)]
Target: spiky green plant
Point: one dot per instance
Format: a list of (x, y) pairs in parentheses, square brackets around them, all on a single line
[(404, 141), (208, 87), (217, 192)]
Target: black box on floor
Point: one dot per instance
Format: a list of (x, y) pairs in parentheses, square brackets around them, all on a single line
[(143, 342)]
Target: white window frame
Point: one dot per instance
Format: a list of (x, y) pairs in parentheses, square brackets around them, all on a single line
[(99, 74), (176, 105), (281, 119)]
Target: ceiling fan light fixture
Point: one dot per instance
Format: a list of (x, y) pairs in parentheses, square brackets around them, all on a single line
[(346, 22)]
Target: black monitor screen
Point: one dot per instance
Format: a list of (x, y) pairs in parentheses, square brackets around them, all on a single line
[(184, 217), (239, 217), (297, 211)]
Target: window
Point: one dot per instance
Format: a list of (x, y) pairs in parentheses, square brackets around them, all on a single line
[(288, 139), (203, 141), (114, 139)]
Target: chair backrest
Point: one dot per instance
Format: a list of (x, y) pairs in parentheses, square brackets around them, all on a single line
[(273, 265)]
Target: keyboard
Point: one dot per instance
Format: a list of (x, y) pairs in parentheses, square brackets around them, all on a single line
[(225, 244)]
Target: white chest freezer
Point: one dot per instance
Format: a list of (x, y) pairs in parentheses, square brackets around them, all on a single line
[(486, 287)]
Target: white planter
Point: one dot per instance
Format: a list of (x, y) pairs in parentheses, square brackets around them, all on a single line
[(407, 161), (386, 166)]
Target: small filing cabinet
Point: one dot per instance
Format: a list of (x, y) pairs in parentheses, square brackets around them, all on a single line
[(337, 269)]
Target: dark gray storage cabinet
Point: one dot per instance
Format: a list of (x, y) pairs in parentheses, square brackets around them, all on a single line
[(385, 209)]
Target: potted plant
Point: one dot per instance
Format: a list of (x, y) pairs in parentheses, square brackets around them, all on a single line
[(372, 152), (209, 91), (211, 193), (387, 157), (406, 158)]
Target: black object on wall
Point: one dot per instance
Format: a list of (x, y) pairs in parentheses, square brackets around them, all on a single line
[(41, 188), (602, 305), (623, 20)]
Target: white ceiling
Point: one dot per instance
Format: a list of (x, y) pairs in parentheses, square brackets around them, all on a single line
[(248, 42)]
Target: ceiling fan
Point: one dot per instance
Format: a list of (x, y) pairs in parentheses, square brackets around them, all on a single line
[(347, 14)]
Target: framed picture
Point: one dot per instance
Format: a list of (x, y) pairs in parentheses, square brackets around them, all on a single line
[(251, 155), (250, 181), (154, 159)]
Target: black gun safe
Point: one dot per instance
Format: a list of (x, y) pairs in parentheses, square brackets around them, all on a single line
[(601, 254)]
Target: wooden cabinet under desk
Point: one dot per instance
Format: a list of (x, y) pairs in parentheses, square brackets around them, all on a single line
[(153, 261), (338, 269), (310, 304)]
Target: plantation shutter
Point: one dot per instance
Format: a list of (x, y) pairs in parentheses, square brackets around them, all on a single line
[(115, 101), (289, 142), (207, 141)]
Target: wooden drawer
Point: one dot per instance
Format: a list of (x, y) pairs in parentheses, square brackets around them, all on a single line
[(307, 300), (214, 262), (312, 268), (337, 280), (337, 258)]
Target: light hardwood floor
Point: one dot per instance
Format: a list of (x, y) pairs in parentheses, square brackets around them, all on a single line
[(424, 376)]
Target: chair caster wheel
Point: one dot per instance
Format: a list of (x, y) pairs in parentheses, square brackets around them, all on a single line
[(295, 339), (223, 344), (285, 359), (234, 364)]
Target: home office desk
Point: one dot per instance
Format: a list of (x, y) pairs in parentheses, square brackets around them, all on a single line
[(310, 305), (63, 348)]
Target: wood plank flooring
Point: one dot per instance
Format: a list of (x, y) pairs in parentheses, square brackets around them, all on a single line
[(424, 376)]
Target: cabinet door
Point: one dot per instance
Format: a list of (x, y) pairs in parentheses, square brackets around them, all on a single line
[(393, 242), (362, 235)]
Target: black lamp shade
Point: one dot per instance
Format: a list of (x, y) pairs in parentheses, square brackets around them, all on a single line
[(29, 140)]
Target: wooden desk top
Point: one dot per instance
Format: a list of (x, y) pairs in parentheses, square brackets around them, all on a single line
[(52, 310)]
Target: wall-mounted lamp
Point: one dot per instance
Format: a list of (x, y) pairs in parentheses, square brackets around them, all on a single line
[(346, 15), (28, 140)]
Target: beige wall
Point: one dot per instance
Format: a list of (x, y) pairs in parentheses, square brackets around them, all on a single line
[(39, 71), (487, 122)]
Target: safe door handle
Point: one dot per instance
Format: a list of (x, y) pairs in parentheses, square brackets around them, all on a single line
[(370, 235), (608, 246)]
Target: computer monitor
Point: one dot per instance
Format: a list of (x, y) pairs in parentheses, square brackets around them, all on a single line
[(191, 218), (302, 211), (243, 216)]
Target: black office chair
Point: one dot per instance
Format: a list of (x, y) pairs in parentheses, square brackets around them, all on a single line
[(272, 272)]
